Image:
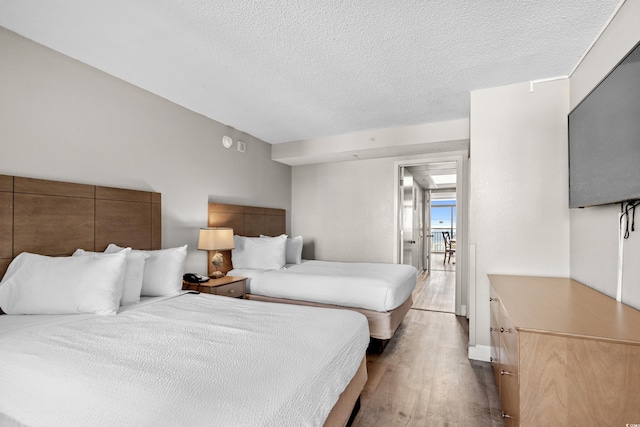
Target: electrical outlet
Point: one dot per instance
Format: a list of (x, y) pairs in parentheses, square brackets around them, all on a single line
[(242, 146)]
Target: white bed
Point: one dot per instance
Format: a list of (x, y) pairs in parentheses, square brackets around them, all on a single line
[(186, 360), (372, 286)]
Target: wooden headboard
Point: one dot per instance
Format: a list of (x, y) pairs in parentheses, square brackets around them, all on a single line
[(55, 218), (246, 221)]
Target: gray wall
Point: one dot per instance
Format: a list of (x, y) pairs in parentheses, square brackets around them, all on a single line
[(345, 210), (63, 120), (594, 231)]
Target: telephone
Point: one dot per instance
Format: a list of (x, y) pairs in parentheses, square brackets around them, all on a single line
[(195, 278)]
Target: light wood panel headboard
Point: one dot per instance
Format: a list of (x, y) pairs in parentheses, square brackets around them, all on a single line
[(248, 221), (55, 218)]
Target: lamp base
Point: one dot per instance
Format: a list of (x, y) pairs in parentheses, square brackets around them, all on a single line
[(217, 261)]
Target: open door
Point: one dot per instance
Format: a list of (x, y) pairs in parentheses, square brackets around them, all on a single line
[(428, 233), (411, 214), (405, 213)]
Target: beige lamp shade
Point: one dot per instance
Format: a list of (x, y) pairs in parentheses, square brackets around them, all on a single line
[(216, 239)]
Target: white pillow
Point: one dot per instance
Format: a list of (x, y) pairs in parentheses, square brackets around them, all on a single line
[(133, 274), (293, 251), (258, 253), (163, 270), (37, 284)]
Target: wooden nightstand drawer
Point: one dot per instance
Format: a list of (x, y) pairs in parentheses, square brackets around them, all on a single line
[(227, 286), (235, 289)]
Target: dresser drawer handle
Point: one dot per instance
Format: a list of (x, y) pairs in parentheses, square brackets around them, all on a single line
[(232, 291), (503, 330), (503, 372)]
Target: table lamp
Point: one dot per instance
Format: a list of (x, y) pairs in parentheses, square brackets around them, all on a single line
[(216, 239)]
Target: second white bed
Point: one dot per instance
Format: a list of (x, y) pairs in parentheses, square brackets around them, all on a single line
[(372, 286)]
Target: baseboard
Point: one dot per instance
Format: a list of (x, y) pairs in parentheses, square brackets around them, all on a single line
[(480, 352)]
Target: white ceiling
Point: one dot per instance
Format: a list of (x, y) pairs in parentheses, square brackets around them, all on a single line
[(287, 70)]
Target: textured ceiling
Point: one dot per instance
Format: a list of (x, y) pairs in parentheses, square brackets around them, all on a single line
[(286, 70)]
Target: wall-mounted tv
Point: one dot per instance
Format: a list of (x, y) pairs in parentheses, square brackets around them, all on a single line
[(604, 139)]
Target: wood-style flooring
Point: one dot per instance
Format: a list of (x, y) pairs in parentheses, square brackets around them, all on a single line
[(435, 292), (437, 262), (424, 378)]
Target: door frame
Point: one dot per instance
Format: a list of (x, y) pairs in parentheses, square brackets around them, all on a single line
[(462, 198)]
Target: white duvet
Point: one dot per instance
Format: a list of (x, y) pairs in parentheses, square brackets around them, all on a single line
[(192, 360), (373, 286)]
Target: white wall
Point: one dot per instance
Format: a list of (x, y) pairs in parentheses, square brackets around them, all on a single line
[(63, 120), (594, 231), (518, 211)]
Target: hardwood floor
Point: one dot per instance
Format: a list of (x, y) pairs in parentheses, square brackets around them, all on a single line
[(424, 378), (435, 292), (437, 262)]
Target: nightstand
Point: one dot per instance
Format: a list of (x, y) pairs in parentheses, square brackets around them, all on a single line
[(228, 286)]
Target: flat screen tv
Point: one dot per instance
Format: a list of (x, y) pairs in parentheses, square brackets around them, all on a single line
[(604, 139)]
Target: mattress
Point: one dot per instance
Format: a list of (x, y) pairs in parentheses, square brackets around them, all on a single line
[(372, 286), (189, 360)]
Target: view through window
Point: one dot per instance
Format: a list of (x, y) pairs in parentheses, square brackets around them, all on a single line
[(443, 218)]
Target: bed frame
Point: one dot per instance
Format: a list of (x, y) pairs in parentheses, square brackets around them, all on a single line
[(253, 221), (55, 218)]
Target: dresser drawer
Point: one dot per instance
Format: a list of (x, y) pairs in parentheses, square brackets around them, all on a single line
[(235, 289), (510, 392), (494, 334), (494, 303), (508, 336), (494, 331)]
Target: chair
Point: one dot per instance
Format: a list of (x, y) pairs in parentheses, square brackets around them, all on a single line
[(449, 247)]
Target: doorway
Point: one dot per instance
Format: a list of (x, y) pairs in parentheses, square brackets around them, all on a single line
[(438, 186)]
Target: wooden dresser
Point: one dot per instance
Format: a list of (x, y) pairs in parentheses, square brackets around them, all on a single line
[(563, 354)]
